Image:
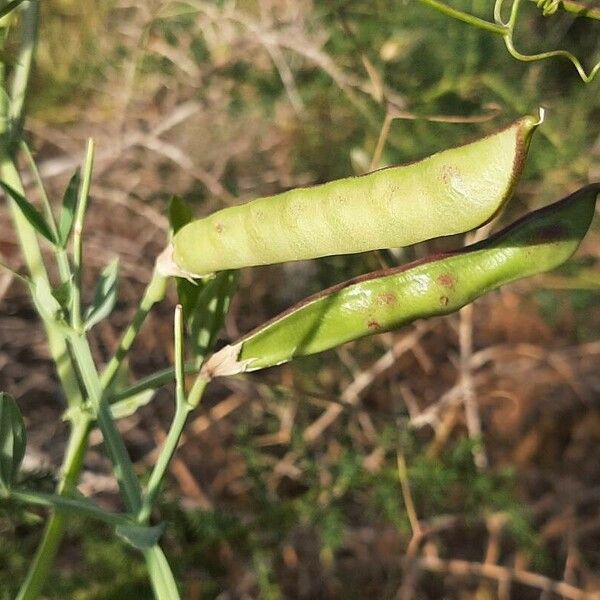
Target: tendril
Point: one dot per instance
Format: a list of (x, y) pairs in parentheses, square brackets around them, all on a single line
[(549, 7), (506, 28)]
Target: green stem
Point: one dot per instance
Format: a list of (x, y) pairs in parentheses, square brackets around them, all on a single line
[(182, 409), (465, 17), (184, 405), (48, 547), (153, 381), (576, 8), (64, 268), (33, 258), (163, 582), (22, 68), (20, 277), (123, 467), (155, 291), (161, 577), (162, 463), (82, 202)]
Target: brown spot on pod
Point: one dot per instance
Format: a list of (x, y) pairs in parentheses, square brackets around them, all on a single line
[(219, 227), (444, 300), (387, 298), (448, 173), (446, 280), (373, 324)]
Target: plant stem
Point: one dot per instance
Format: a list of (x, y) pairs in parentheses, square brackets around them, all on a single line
[(48, 547), (184, 405), (465, 17), (64, 268), (591, 12), (155, 291), (163, 582), (123, 467), (161, 577), (153, 381), (182, 409), (22, 68), (162, 463), (82, 202)]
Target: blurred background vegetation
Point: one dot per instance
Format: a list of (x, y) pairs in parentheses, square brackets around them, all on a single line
[(458, 458)]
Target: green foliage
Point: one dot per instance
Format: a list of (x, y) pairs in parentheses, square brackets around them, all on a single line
[(36, 220), (67, 211), (13, 440), (105, 295)]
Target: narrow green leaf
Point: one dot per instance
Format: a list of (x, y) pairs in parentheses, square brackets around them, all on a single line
[(161, 576), (67, 212), (13, 441), (141, 537), (188, 293), (127, 407), (206, 318), (23, 278), (180, 213), (46, 303), (63, 293), (105, 295), (30, 213)]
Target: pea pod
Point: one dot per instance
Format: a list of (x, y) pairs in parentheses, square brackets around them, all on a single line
[(450, 192), (385, 300)]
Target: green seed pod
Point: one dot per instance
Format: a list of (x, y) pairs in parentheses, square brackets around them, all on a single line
[(12, 442), (450, 192), (439, 285)]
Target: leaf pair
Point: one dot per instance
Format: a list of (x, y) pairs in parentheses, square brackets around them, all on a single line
[(52, 303)]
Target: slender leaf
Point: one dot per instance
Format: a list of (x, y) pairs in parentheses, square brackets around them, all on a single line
[(180, 213), (105, 295), (35, 219), (141, 537), (127, 407), (67, 212), (161, 576), (63, 293), (209, 311), (45, 301), (13, 440)]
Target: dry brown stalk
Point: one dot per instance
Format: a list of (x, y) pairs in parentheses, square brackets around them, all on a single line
[(351, 395), (464, 568)]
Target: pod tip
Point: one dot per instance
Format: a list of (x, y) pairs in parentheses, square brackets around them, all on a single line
[(541, 115)]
